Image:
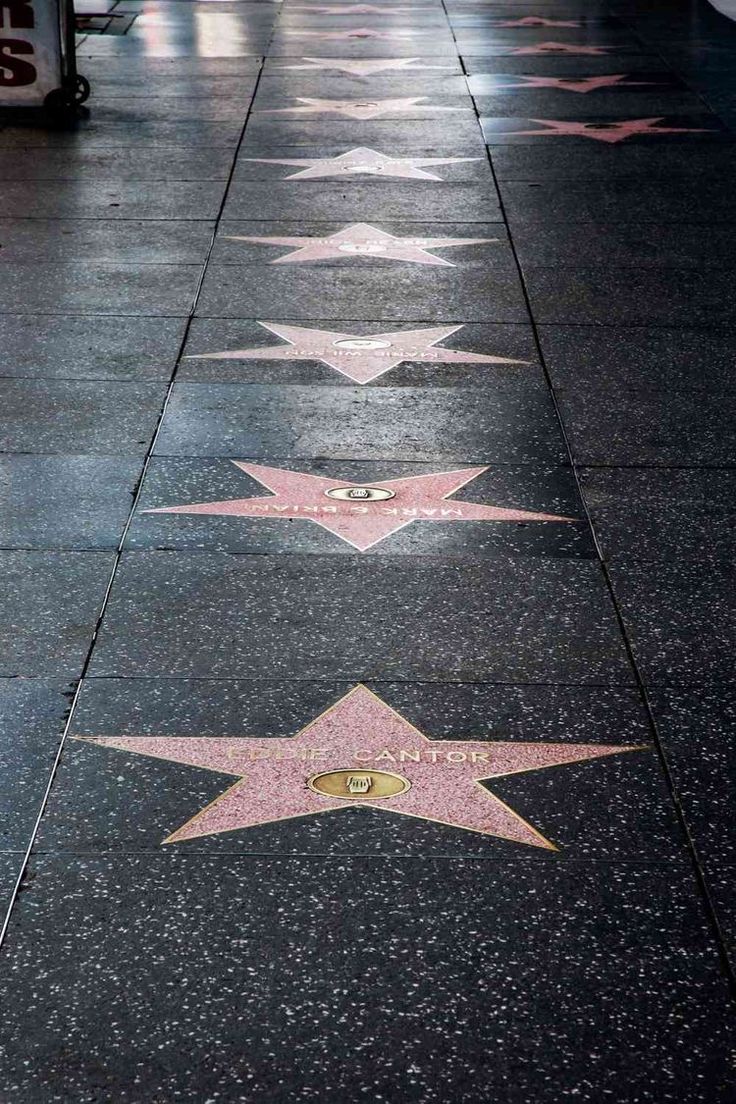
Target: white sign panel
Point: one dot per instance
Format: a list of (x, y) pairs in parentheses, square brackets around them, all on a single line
[(30, 61)]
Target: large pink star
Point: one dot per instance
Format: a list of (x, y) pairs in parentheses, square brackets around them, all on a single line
[(350, 9), (364, 67), (365, 740), (363, 241), (606, 132), (355, 109), (360, 522), (358, 32), (362, 161), (560, 48), (578, 84), (538, 21), (360, 357)]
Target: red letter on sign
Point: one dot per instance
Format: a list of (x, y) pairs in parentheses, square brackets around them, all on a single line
[(14, 71), (20, 13)]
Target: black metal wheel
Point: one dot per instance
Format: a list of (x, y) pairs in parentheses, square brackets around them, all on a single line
[(81, 89)]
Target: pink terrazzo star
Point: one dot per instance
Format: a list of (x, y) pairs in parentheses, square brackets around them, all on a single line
[(363, 241), (364, 67), (357, 32), (358, 522), (362, 161), (350, 9), (606, 132), (560, 48), (360, 357), (578, 84), (356, 109), (360, 733), (538, 21)]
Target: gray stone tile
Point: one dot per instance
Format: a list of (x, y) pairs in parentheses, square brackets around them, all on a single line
[(49, 610), (608, 103), (650, 427), (602, 242), (605, 295), (680, 618), (607, 163), (65, 501), (502, 422), (384, 134), (364, 200), (657, 358), (172, 481), (89, 348), (10, 865), (623, 201), (153, 289), (32, 717), (503, 620), (81, 198), (44, 241), (663, 514), (97, 163), (483, 287), (696, 725), (633, 940), (79, 416)]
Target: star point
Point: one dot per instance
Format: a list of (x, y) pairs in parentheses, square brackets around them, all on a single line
[(362, 161), (360, 357), (360, 521), (359, 735), (362, 241)]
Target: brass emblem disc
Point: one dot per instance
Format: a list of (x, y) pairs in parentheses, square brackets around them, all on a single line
[(354, 784), (361, 494)]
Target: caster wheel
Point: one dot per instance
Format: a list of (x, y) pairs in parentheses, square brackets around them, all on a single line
[(81, 90)]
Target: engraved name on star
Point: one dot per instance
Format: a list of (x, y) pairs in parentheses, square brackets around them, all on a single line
[(361, 161), (578, 84), (356, 109), (363, 67), (607, 131), (360, 357), (362, 241), (359, 523), (360, 735)]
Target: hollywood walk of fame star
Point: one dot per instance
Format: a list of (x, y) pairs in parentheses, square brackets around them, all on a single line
[(360, 737), (538, 21), (578, 84), (362, 161), (350, 9), (560, 48), (355, 109), (606, 132), (363, 67), (358, 32), (363, 241), (360, 357), (361, 523)]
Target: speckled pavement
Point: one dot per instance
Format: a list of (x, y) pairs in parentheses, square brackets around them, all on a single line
[(367, 533)]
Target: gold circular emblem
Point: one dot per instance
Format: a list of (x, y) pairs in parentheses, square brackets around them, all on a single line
[(361, 494), (354, 784)]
